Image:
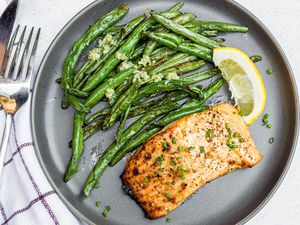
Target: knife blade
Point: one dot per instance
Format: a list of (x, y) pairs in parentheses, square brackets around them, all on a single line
[(7, 20)]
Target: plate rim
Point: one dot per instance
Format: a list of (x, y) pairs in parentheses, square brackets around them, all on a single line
[(279, 181)]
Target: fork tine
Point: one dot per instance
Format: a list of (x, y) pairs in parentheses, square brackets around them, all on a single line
[(9, 49), (28, 68), (18, 55), (24, 51), (13, 54)]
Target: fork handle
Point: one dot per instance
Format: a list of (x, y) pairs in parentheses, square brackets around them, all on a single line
[(5, 142)]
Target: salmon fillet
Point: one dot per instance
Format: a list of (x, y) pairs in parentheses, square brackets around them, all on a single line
[(186, 155)]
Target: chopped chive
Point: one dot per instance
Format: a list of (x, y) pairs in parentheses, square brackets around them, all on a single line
[(179, 167), (179, 157), (146, 179), (168, 196), (242, 140), (269, 71), (106, 211), (180, 148), (161, 169), (186, 171), (266, 116), (174, 141), (232, 146), (271, 140), (209, 134), (192, 147), (168, 220), (159, 159), (166, 146), (181, 175), (236, 135), (172, 170), (173, 163), (98, 203), (228, 128), (269, 125), (202, 149)]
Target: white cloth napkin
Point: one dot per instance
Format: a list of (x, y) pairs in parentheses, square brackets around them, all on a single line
[(26, 196)]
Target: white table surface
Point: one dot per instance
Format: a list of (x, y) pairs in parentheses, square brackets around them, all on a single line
[(281, 17)]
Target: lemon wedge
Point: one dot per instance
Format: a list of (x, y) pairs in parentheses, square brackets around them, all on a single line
[(244, 80)]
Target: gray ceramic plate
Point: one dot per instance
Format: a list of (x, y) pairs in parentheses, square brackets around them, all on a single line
[(231, 199)]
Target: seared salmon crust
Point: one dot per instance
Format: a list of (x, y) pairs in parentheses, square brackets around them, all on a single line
[(186, 155)]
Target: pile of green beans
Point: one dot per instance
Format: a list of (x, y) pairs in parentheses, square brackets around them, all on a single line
[(142, 71)]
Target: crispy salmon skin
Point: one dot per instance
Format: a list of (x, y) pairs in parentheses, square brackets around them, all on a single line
[(186, 155)]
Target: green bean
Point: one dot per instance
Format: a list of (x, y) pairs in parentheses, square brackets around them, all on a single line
[(207, 92), (127, 29), (181, 30), (175, 60), (87, 38), (119, 90), (138, 51), (161, 53), (167, 85), (110, 152), (81, 72), (184, 110), (218, 26), (209, 33), (64, 103), (58, 80), (220, 41), (185, 67), (76, 103), (202, 75), (123, 51), (78, 93), (123, 119), (177, 43), (113, 30), (112, 82), (134, 143), (256, 58), (121, 105), (191, 106), (77, 145), (181, 19), (93, 117)]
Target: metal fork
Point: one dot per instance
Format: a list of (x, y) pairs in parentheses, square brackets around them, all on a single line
[(17, 80)]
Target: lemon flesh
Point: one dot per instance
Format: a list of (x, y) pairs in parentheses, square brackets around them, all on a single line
[(244, 80)]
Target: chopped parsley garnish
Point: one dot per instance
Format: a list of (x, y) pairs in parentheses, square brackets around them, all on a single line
[(98, 203), (168, 196), (232, 146), (209, 134), (202, 149), (168, 220), (180, 148), (179, 157), (173, 163), (106, 211), (172, 170), (181, 175), (160, 169), (228, 128), (192, 148), (174, 141), (265, 121), (146, 179), (159, 159), (166, 146), (269, 71), (236, 135)]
